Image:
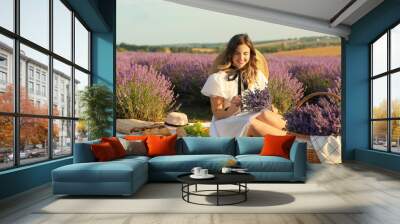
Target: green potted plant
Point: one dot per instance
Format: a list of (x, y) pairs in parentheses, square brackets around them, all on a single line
[(197, 129), (96, 103)]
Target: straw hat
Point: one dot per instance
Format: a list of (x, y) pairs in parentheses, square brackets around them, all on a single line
[(176, 119)]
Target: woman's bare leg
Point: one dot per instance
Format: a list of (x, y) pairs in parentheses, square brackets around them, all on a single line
[(273, 119), (260, 128), (252, 132)]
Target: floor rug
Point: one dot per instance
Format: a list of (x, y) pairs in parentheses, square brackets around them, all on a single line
[(167, 198)]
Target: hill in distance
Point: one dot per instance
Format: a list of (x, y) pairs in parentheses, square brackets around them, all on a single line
[(295, 45)]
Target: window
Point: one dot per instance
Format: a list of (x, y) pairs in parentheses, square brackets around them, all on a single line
[(37, 74), (385, 95), (62, 74), (81, 81), (62, 143), (38, 89), (33, 149), (30, 72), (3, 70), (395, 47), (6, 73), (7, 14), (35, 21), (7, 142), (81, 45), (30, 87), (44, 91), (47, 73), (62, 31), (3, 78), (3, 61)]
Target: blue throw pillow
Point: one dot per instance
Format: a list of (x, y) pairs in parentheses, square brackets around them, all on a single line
[(208, 145), (249, 145)]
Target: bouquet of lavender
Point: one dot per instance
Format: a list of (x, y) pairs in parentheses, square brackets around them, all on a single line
[(256, 100), (321, 118)]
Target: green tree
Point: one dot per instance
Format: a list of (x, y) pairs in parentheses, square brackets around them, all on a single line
[(97, 101)]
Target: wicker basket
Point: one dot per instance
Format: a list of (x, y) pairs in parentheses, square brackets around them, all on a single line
[(312, 156)]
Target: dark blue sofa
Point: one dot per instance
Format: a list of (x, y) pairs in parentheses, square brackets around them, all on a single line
[(125, 176)]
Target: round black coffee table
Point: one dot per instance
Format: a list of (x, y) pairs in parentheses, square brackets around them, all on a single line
[(238, 179)]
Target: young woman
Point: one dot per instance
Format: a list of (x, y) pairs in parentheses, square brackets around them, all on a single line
[(239, 71)]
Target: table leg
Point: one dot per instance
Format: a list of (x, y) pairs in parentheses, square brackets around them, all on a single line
[(217, 194), (182, 190), (245, 193), (188, 190), (196, 188)]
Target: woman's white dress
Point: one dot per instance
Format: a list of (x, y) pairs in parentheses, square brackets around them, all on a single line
[(236, 125)]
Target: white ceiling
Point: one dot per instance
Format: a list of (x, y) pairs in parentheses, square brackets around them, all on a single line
[(314, 15)]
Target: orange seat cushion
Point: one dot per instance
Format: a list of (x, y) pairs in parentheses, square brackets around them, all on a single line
[(103, 151), (161, 145), (116, 145), (277, 145)]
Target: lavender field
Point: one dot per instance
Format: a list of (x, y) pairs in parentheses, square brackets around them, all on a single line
[(151, 84)]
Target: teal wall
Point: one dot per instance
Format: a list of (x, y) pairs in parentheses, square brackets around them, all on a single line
[(24, 178), (99, 16), (104, 53), (356, 124)]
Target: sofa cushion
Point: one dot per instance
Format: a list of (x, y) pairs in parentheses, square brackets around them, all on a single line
[(249, 145), (116, 145), (103, 151), (134, 147), (161, 145), (207, 145), (112, 171), (83, 152), (277, 145), (133, 157), (185, 163), (257, 163)]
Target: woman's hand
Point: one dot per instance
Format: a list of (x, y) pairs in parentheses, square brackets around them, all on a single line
[(217, 107), (237, 101), (275, 110)]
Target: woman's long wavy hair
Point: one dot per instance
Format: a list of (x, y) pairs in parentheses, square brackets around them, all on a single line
[(249, 71)]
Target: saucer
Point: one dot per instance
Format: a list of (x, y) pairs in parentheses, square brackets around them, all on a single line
[(208, 176)]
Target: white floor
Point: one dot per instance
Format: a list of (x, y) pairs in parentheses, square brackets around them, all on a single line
[(377, 189)]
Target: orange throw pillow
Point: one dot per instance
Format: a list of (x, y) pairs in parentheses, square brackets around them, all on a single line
[(161, 145), (277, 145), (116, 145), (103, 152)]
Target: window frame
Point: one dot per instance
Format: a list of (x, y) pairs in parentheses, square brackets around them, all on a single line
[(388, 74), (16, 114)]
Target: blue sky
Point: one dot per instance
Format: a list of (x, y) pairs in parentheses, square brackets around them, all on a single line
[(155, 22), (34, 23)]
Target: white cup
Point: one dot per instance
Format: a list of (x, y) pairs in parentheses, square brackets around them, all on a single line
[(203, 172), (226, 170), (196, 170)]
